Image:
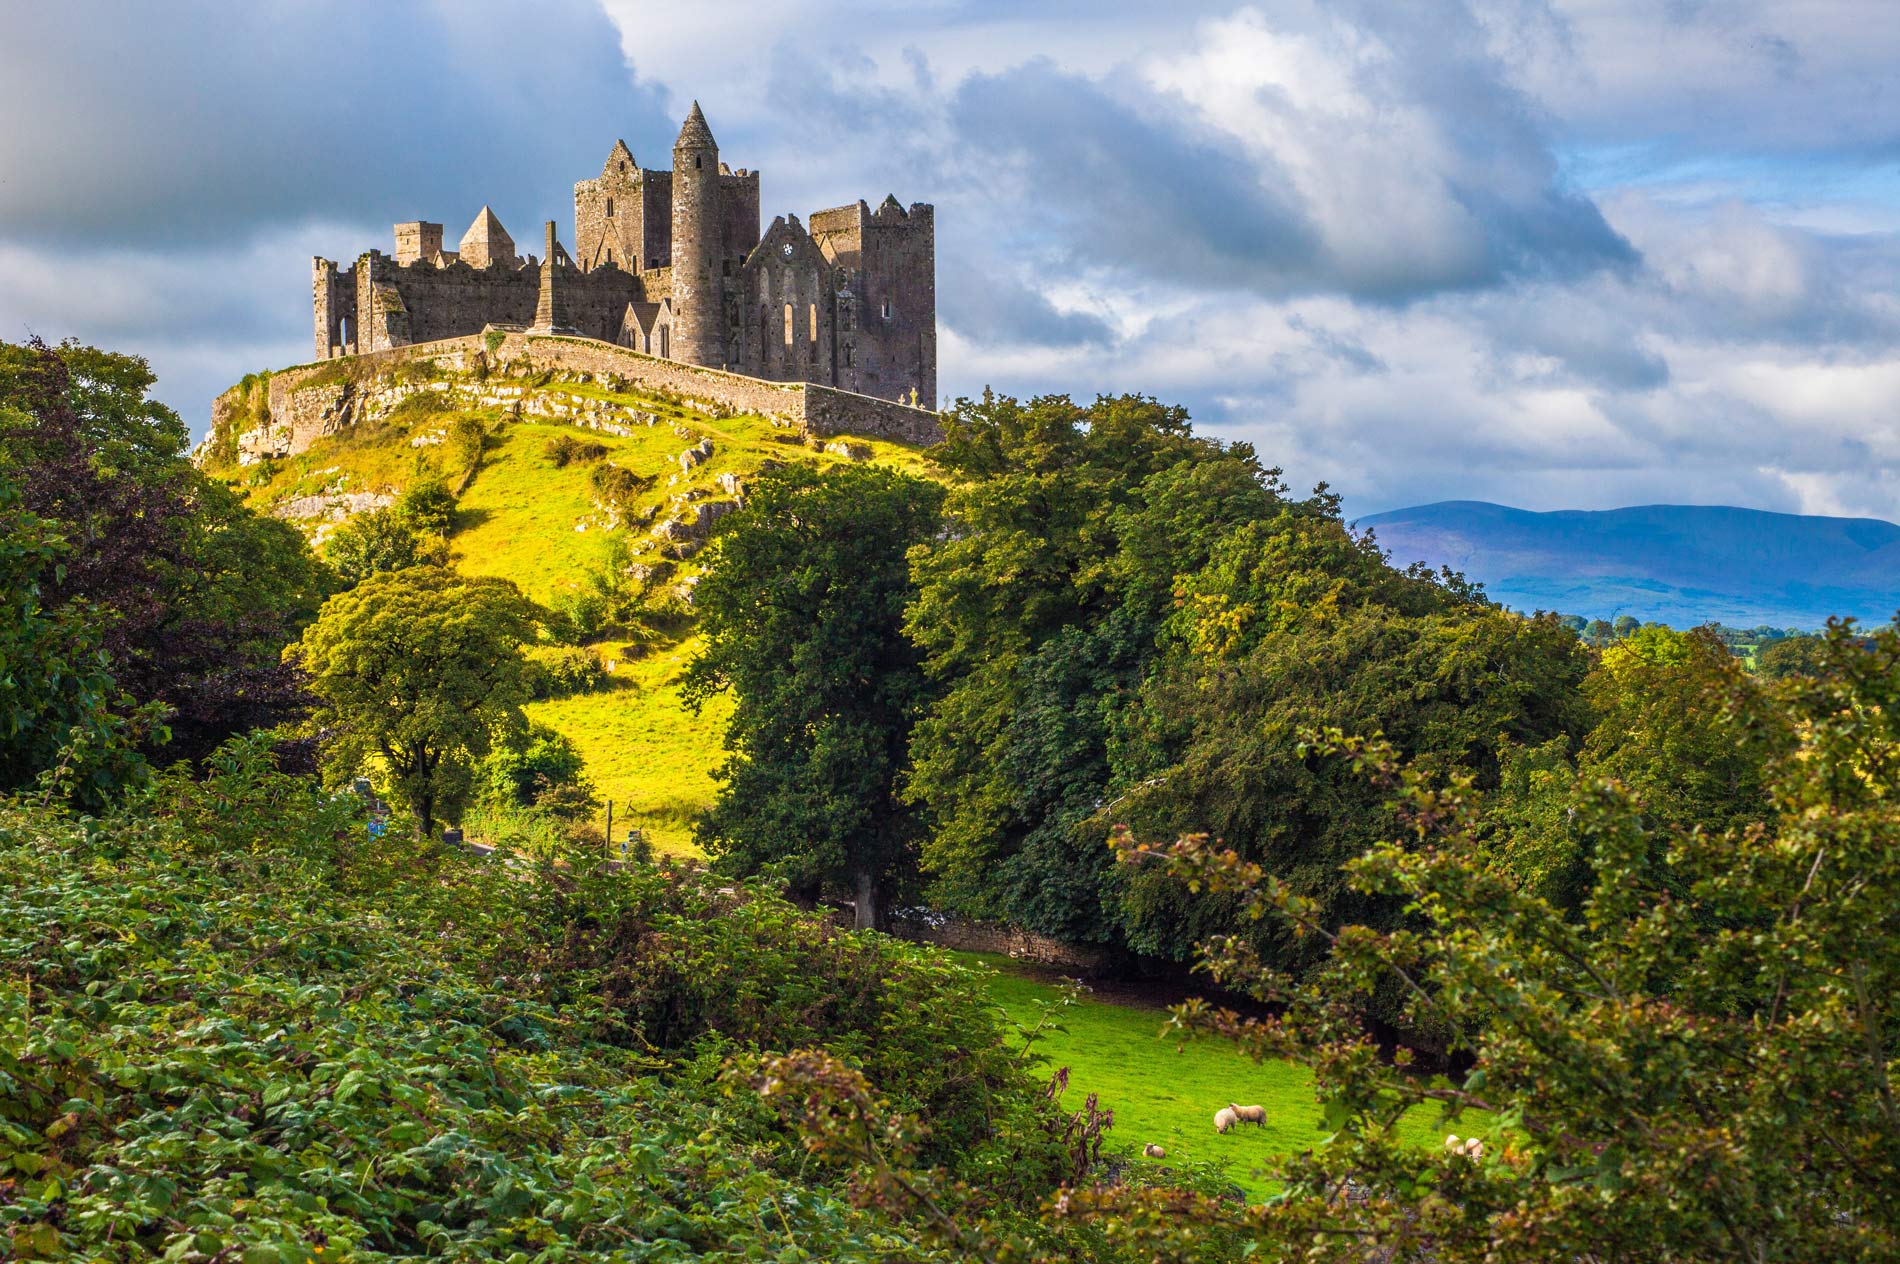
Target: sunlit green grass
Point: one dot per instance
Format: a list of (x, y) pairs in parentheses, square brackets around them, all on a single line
[(1165, 1091), (524, 519), (644, 749)]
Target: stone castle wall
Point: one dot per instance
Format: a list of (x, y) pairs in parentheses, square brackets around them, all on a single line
[(958, 935), (829, 411), (314, 400), (851, 303)]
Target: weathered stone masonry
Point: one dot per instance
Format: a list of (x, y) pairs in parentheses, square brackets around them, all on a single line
[(671, 264), (314, 400)]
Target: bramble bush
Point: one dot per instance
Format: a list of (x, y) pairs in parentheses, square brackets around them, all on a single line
[(234, 1030), (565, 450)]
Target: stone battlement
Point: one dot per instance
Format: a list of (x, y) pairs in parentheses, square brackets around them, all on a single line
[(311, 401)]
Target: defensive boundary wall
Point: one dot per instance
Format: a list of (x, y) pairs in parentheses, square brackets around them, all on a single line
[(313, 400)]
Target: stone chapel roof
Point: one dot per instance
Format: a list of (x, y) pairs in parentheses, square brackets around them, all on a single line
[(487, 238)]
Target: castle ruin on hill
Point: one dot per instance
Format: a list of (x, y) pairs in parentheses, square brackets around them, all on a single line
[(671, 264)]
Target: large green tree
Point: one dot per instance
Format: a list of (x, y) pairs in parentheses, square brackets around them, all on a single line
[(195, 595), (416, 671), (1296, 624), (801, 610), (1038, 608)]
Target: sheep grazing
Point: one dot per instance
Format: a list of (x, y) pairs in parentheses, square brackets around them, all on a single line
[(1154, 1151), (1225, 1119), (1470, 1147), (1250, 1114)]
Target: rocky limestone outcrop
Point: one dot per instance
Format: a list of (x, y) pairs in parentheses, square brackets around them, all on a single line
[(686, 531), (849, 451), (330, 506)]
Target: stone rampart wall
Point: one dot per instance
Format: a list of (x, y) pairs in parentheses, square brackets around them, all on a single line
[(732, 391), (313, 400), (829, 411)]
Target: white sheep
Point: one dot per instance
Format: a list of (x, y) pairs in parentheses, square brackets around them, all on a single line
[(1249, 1114), (1225, 1119), (1154, 1151), (1470, 1147)]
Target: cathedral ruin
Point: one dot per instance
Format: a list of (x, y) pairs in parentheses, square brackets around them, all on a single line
[(671, 264)]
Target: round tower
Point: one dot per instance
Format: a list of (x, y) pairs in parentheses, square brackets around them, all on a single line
[(699, 334)]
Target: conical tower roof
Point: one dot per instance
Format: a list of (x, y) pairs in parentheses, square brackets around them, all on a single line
[(694, 134)]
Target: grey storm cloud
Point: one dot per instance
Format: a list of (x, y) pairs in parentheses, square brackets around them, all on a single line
[(994, 309), (1129, 187), (186, 123), (1141, 183)]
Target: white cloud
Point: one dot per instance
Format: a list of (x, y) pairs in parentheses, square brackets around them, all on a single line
[(1549, 252)]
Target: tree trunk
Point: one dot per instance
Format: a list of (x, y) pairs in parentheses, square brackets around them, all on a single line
[(869, 911), (424, 806), (425, 800)]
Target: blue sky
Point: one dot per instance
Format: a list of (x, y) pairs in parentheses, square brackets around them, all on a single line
[(1555, 253)]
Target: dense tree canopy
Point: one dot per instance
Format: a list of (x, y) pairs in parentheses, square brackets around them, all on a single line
[(61, 714), (802, 611), (1697, 1067), (196, 595), (1040, 623), (1134, 625)]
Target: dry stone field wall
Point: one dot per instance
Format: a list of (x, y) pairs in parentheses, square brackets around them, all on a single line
[(496, 369)]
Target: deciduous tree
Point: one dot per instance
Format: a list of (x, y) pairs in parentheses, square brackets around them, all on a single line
[(197, 595), (416, 671), (802, 613)]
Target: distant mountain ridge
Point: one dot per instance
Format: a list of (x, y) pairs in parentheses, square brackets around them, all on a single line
[(1676, 564)]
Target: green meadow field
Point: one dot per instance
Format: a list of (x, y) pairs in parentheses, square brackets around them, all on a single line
[(1164, 1090)]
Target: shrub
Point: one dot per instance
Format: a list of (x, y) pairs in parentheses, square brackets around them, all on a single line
[(468, 438), (565, 450), (616, 486), (428, 506), (415, 406), (559, 671), (578, 615), (529, 762), (372, 542)]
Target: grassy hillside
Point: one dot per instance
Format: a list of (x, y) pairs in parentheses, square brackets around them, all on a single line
[(644, 749), (526, 519)]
